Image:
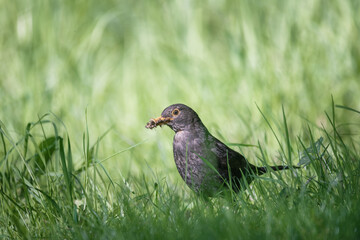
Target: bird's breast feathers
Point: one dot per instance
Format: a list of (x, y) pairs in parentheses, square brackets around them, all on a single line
[(188, 143)]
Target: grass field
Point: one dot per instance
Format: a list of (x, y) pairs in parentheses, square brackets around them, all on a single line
[(279, 81)]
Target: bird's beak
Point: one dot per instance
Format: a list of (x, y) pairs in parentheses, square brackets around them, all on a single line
[(154, 122)]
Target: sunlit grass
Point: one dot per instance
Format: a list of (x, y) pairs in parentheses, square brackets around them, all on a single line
[(45, 195)]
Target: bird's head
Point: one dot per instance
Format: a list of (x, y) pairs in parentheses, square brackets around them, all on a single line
[(178, 117)]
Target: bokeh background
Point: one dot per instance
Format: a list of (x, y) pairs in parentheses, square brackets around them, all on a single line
[(123, 62)]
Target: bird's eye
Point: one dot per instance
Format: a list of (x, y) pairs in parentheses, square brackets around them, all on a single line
[(175, 112)]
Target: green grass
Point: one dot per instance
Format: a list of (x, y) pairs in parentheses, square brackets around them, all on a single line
[(43, 195), (277, 80)]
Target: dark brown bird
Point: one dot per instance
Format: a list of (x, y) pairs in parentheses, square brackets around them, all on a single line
[(205, 163)]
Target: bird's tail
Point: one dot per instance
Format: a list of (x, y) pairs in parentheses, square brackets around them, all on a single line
[(262, 170)]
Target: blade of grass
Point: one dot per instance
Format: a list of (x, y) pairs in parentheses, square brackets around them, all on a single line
[(287, 137), (348, 108), (272, 130)]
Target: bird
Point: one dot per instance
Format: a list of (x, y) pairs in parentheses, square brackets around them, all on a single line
[(205, 163)]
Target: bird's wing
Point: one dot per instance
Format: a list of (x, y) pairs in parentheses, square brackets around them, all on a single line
[(226, 155)]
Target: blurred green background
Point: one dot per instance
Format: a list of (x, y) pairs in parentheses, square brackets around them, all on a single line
[(125, 61)]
